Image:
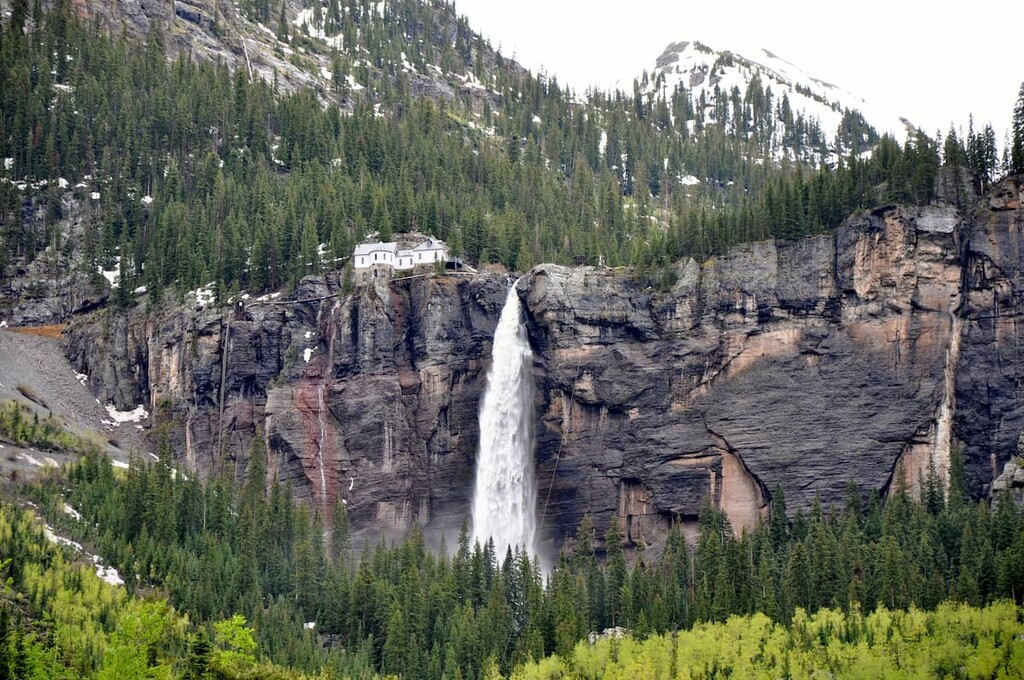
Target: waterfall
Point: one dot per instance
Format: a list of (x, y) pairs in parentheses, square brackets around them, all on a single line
[(330, 332), (505, 495), (322, 421), (944, 421)]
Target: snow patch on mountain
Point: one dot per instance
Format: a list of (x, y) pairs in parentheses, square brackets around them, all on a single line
[(306, 20), (708, 73)]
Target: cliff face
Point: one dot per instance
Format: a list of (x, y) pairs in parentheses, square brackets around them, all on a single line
[(802, 365), (990, 373), (369, 399)]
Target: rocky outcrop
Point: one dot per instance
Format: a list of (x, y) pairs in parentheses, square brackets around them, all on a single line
[(1011, 482), (198, 13), (54, 284), (989, 406)]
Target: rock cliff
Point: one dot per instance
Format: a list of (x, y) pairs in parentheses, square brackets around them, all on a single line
[(802, 365), (368, 399)]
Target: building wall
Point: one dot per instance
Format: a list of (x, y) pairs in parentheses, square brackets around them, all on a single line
[(376, 257), (403, 260), (429, 256)]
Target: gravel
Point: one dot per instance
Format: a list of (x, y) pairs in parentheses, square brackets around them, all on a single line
[(38, 364)]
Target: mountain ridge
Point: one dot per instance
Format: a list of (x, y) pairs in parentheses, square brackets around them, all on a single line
[(713, 76)]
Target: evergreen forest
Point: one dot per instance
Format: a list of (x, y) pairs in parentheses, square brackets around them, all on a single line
[(232, 581), (180, 172)]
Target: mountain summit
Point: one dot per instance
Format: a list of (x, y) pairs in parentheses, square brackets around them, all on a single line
[(795, 111)]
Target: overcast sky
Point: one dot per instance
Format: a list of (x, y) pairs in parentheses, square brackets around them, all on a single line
[(923, 62)]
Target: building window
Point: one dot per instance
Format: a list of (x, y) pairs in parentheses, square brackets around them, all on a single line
[(375, 257)]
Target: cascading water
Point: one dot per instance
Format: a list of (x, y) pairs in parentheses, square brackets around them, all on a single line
[(321, 405), (505, 496), (322, 422)]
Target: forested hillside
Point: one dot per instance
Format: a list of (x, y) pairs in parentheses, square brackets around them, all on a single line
[(187, 173), (218, 553)]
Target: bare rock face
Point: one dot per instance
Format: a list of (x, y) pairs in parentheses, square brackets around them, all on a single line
[(989, 408), (1010, 482), (368, 399), (802, 365)]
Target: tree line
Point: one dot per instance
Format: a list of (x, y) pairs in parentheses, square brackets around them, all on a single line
[(216, 549), (185, 173)]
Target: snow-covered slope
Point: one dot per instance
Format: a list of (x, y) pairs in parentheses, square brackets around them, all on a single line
[(704, 71)]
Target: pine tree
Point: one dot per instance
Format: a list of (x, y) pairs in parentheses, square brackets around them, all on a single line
[(615, 559), (957, 495), (283, 30), (340, 530), (5, 642), (197, 662), (19, 13), (779, 522), (1017, 145), (310, 253)]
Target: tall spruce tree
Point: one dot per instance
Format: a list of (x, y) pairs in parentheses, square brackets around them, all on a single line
[(1017, 145)]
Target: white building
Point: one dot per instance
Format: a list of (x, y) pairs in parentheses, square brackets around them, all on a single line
[(370, 259), (369, 254), (428, 252)]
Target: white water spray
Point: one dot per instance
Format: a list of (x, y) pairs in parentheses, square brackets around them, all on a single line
[(944, 422), (321, 405), (505, 496)]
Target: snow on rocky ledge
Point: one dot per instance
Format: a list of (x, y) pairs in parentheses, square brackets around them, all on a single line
[(204, 296), (136, 415)]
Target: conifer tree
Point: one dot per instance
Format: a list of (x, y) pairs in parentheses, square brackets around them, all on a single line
[(197, 661), (616, 572), (283, 30), (1017, 145), (778, 521), (340, 530)]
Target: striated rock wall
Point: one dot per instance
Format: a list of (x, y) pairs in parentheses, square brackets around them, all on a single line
[(803, 365), (799, 364), (368, 399), (989, 395)]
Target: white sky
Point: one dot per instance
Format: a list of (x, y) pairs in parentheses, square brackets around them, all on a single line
[(933, 66)]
